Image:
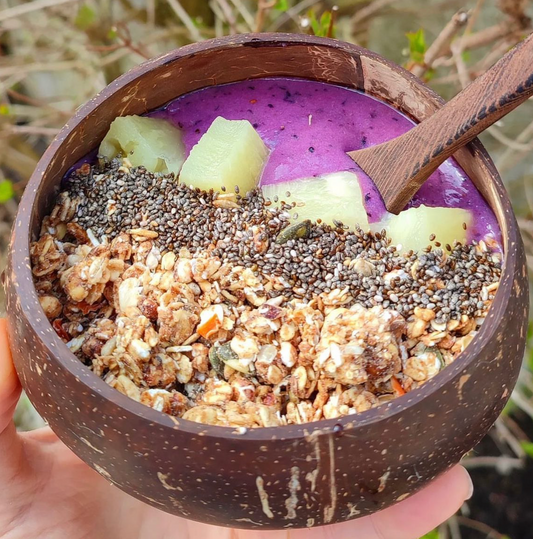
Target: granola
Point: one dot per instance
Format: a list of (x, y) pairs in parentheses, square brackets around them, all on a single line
[(199, 336)]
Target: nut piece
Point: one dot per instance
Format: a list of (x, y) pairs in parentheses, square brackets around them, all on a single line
[(249, 348), (51, 306)]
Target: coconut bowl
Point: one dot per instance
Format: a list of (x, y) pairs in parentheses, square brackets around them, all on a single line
[(329, 471)]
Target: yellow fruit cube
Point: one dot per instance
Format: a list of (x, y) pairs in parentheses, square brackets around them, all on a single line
[(413, 228), (151, 142), (229, 154), (336, 196)]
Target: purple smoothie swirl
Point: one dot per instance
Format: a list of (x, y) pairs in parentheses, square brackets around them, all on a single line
[(309, 126)]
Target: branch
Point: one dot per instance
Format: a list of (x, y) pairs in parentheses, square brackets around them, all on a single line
[(33, 130), (489, 532), (525, 137), (462, 70), (490, 35), (516, 10), (227, 12), (30, 7), (37, 103), (522, 403), (185, 19), (509, 142), (368, 12), (453, 526), (246, 15), (504, 465), (441, 43), (29, 68), (263, 8), (292, 13)]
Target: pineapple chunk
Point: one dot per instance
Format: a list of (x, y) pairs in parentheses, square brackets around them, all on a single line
[(412, 228), (335, 196), (150, 142), (229, 154)]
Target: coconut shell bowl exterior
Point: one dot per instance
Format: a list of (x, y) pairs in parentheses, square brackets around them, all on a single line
[(273, 478)]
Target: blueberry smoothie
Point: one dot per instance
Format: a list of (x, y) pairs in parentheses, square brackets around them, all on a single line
[(309, 126)]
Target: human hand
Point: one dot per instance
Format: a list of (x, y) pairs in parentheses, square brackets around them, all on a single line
[(48, 493)]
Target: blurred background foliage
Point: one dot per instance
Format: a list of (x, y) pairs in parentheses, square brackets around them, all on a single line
[(56, 54)]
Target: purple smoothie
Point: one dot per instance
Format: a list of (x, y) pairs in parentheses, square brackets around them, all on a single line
[(309, 126)]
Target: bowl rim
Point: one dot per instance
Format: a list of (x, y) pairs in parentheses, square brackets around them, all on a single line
[(56, 348)]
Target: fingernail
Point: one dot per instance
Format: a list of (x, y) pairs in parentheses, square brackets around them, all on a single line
[(470, 490)]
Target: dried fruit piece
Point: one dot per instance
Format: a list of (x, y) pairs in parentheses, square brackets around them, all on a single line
[(397, 386), (209, 326), (210, 321), (229, 154), (331, 197), (151, 142)]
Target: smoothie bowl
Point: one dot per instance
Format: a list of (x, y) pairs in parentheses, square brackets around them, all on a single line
[(210, 306)]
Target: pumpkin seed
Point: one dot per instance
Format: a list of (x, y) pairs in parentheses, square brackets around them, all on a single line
[(438, 353), (216, 361), (225, 353), (292, 232), (220, 355)]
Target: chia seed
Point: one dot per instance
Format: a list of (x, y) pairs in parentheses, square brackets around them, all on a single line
[(113, 200)]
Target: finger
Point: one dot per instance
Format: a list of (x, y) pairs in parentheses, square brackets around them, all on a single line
[(205, 531), (410, 519), (426, 509), (9, 383), (10, 446)]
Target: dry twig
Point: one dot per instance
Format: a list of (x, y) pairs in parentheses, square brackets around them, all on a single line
[(263, 7), (368, 12), (228, 15), (245, 13), (292, 14), (30, 7), (489, 532), (185, 18), (441, 43), (512, 153), (504, 465)]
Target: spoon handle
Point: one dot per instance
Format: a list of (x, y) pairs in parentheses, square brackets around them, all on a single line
[(408, 160)]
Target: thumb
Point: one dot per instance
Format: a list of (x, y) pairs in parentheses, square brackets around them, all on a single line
[(9, 383), (10, 388)]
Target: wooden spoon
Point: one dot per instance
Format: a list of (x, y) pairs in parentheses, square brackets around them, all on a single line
[(400, 166)]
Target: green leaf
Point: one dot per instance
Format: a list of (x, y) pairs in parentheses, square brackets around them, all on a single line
[(430, 73), (466, 55), (85, 17), (529, 347), (112, 34), (528, 448), (282, 5), (417, 46), (325, 21), (6, 191), (321, 26), (315, 25), (4, 110), (431, 535)]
